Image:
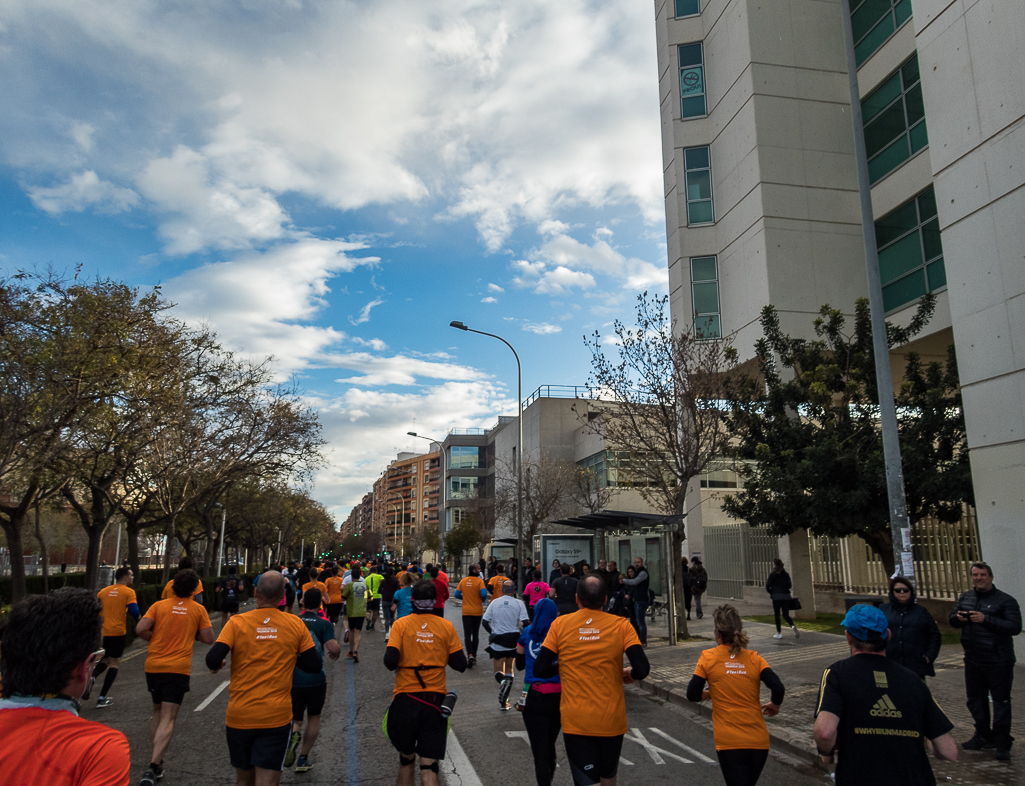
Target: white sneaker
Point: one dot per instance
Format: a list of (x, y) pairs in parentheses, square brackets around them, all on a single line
[(797, 632), (777, 635)]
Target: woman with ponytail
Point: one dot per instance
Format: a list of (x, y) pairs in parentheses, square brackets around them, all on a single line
[(734, 675)]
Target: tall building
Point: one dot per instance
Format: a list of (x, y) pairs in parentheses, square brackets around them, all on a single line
[(762, 201)]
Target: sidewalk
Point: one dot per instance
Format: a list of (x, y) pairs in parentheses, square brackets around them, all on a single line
[(800, 663)]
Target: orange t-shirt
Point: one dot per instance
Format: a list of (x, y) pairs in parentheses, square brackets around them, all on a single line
[(334, 590), (473, 604), (495, 585), (422, 640), (264, 645), (590, 646), (175, 624), (735, 685), (84, 751), (115, 600), (399, 575), (169, 593), (318, 585)]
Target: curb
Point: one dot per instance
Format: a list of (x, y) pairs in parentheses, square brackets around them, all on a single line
[(779, 741)]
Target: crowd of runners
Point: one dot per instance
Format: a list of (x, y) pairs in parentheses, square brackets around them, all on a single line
[(575, 654)]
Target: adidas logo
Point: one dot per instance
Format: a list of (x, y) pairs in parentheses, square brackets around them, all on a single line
[(885, 708)]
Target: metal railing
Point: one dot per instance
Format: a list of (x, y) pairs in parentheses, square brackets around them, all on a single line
[(737, 555), (557, 391)]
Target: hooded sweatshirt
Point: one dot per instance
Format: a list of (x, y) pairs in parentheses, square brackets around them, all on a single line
[(533, 636), (914, 635)]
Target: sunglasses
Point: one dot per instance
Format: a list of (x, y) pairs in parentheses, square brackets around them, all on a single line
[(901, 590)]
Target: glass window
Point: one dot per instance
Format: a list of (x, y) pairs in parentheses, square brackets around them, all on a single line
[(894, 118), (692, 81), (910, 251), (463, 457), (704, 289), (699, 186), (687, 8), (463, 487), (596, 464), (873, 22)]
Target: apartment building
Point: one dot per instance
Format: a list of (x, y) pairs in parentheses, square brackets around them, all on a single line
[(762, 202)]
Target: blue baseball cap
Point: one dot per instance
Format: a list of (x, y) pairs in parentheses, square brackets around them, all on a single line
[(862, 619)]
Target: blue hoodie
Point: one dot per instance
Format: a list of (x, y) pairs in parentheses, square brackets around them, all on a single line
[(533, 637)]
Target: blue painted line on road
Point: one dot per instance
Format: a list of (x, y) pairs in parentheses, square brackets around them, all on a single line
[(353, 759)]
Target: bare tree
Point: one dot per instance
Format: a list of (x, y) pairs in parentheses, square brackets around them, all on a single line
[(661, 404), (591, 492)]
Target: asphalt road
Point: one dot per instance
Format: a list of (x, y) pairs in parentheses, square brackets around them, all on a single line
[(486, 746)]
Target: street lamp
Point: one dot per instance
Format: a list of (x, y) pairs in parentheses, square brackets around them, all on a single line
[(220, 549), (519, 446), (442, 490)]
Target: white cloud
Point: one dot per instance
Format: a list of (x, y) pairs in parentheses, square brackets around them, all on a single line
[(552, 227), (364, 314), (82, 191), (542, 328), (396, 370), (561, 279), (489, 300), (374, 343), (495, 288)]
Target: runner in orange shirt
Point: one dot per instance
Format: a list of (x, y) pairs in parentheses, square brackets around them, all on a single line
[(266, 647), (183, 564), (334, 595), (170, 627), (735, 674), (472, 591), (314, 581), (49, 645), (118, 602), (496, 581), (589, 645), (421, 645)]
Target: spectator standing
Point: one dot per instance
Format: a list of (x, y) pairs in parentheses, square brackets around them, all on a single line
[(564, 591), (527, 574), (639, 589), (875, 714), (45, 669), (989, 619), (735, 675), (556, 571), (492, 567), (472, 592), (914, 636), (540, 702), (700, 576), (688, 584), (778, 585)]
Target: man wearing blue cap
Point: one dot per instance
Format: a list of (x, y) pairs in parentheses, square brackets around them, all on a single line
[(875, 713)]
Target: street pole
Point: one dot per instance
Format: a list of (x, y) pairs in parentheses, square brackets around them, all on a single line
[(302, 551), (519, 447), (220, 549), (900, 523), (117, 552)]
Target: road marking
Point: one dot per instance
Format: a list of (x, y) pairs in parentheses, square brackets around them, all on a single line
[(134, 655), (636, 735), (217, 692), (690, 750), (352, 738), (523, 736), (456, 765)]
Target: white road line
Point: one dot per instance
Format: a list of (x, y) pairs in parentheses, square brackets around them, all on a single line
[(687, 748), (212, 696), (456, 767)]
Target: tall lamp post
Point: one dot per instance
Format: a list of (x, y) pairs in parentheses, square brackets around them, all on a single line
[(519, 443), (220, 546), (441, 488)]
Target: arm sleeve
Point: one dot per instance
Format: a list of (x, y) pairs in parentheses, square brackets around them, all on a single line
[(483, 593), (695, 688), (133, 609), (774, 684), (935, 639), (391, 658), (521, 661), (545, 665), (642, 576), (216, 654), (830, 699), (457, 660), (954, 620), (1010, 623), (936, 723), (486, 623), (309, 661), (639, 665), (459, 594)]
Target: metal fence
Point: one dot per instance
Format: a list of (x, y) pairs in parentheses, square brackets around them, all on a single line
[(737, 555), (943, 554)]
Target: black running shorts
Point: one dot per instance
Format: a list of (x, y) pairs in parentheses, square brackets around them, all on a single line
[(308, 700), (263, 748), (333, 610), (229, 607), (415, 725), (374, 605), (167, 687), (114, 646), (356, 623), (592, 758)]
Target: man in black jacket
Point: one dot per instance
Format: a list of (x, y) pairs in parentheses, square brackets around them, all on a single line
[(988, 619)]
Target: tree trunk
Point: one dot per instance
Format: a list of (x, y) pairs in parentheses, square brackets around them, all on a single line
[(676, 541), (92, 559), (44, 552), (12, 529), (881, 542)]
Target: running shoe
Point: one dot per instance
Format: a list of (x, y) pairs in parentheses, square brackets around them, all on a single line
[(159, 770), (505, 707), (103, 701), (149, 778), (979, 743), (304, 764), (1002, 754), (777, 635), (355, 657), (797, 632), (345, 638), (293, 746), (470, 662)]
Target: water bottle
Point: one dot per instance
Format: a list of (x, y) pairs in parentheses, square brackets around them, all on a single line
[(448, 704)]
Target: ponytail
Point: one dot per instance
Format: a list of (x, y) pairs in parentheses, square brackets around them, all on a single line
[(728, 625)]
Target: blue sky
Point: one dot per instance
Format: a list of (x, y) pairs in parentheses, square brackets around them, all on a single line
[(331, 183)]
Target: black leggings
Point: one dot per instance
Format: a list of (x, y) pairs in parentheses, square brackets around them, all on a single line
[(782, 606), (471, 634), (543, 721), (743, 766)]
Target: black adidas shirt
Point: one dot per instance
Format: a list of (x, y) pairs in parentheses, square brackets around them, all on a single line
[(885, 710)]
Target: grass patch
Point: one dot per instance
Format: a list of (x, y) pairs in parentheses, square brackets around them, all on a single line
[(823, 622)]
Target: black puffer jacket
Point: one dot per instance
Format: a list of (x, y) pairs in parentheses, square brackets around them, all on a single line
[(778, 585), (990, 641), (914, 636)]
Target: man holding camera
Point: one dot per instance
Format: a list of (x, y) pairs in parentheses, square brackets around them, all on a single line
[(989, 620)]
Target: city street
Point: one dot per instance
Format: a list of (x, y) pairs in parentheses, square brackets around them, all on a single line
[(485, 745)]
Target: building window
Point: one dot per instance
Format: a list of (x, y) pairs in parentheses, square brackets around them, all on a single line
[(910, 252), (704, 292), (463, 457), (692, 81), (699, 186), (463, 487), (688, 8), (894, 118), (874, 21)]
